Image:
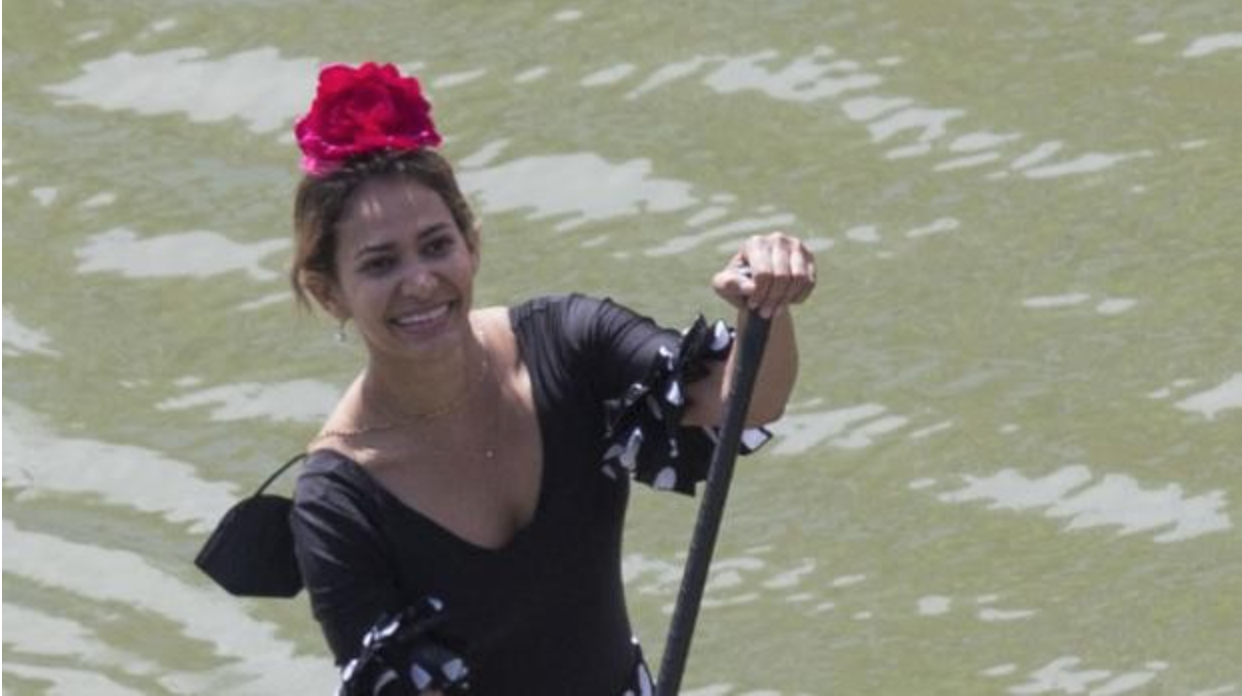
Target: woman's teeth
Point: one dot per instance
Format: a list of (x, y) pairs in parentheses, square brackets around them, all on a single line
[(418, 318)]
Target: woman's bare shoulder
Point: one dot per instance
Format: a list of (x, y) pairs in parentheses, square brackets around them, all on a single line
[(494, 328), (340, 419), (494, 317)]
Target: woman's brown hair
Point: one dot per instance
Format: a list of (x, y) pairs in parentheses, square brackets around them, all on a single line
[(321, 200)]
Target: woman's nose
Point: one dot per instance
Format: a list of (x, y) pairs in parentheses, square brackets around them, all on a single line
[(419, 281)]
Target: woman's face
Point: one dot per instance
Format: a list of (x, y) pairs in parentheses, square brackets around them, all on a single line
[(405, 271)]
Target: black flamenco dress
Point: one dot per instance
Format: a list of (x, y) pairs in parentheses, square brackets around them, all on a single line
[(545, 613)]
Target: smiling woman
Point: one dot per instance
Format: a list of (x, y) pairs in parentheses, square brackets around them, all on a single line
[(398, 260), (458, 522)]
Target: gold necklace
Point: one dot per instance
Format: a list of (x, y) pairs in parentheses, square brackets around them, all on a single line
[(454, 405), (488, 451)]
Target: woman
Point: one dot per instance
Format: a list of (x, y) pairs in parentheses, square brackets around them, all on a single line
[(458, 522)]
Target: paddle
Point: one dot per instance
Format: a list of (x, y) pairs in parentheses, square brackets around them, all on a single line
[(711, 510)]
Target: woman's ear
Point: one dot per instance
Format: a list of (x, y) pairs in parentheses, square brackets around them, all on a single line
[(326, 293)]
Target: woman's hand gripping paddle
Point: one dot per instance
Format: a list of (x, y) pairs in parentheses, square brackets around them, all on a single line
[(703, 542)]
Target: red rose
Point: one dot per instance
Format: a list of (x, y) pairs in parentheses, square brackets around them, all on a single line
[(362, 109)]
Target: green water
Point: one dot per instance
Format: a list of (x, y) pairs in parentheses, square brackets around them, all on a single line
[(1012, 464)]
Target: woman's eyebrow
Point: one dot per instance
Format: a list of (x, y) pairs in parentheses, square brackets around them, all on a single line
[(432, 229), (372, 248), (375, 247)]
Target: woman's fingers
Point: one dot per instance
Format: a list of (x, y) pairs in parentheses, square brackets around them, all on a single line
[(789, 269), (768, 273), (759, 258), (802, 267), (779, 287), (734, 283)]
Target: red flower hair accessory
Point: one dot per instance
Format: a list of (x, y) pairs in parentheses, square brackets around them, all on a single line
[(357, 110)]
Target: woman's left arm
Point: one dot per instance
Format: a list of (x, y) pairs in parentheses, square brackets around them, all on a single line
[(767, 275)]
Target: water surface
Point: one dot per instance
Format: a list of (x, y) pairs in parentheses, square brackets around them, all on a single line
[(1012, 463)]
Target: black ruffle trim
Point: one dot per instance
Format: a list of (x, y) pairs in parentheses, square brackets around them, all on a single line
[(402, 656), (644, 437)]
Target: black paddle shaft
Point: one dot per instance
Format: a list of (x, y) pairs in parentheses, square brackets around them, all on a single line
[(707, 526)]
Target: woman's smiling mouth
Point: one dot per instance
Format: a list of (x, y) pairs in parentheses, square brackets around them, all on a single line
[(424, 319)]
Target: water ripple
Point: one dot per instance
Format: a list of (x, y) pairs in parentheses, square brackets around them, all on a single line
[(1207, 45), (460, 78), (195, 254), (533, 74), (62, 681), (812, 77), (1084, 164), (38, 462), (1223, 397), (934, 605), (50, 635), (580, 187), (851, 427), (609, 76), (261, 663), (1114, 500), (299, 400), (1064, 676), (1108, 306), (20, 339), (679, 243), (258, 86), (802, 79), (670, 73)]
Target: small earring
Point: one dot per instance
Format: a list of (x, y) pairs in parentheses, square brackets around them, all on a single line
[(340, 332)]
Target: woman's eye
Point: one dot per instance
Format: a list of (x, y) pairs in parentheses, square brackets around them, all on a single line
[(438, 246), (376, 265)]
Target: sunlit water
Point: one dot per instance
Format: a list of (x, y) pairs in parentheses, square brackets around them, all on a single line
[(1013, 463)]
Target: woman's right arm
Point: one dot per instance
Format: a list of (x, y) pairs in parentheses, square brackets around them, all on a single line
[(349, 579), (353, 593)]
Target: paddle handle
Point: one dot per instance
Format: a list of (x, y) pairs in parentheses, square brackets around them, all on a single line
[(706, 528)]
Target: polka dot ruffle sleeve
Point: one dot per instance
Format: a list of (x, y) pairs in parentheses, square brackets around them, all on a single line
[(644, 436), (402, 654)]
